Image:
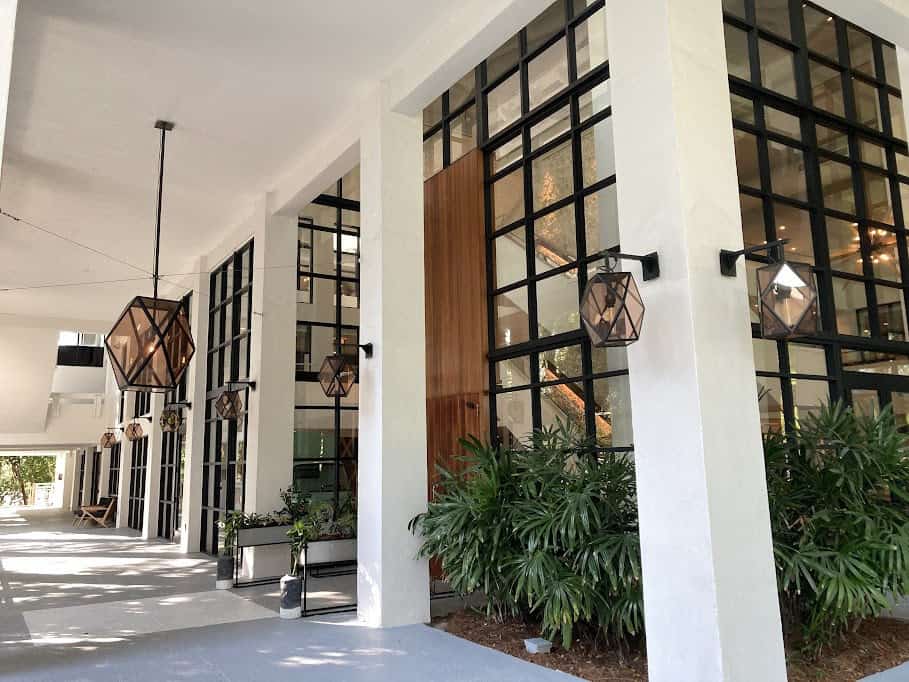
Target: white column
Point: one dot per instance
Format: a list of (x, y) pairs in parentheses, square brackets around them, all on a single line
[(126, 456), (104, 473), (87, 475), (710, 600), (153, 468), (392, 585), (70, 481), (270, 429), (191, 504), (7, 33), (61, 471)]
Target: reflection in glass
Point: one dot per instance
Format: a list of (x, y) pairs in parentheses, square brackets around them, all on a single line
[(597, 152), (787, 170), (432, 155), (770, 403), (766, 355), (461, 91), (844, 245), (503, 104), (746, 159), (805, 359), (851, 307), (555, 239), (742, 108), (510, 258), (885, 258), (514, 418), (752, 220), (547, 73), (836, 185), (601, 220), (780, 122), (590, 42), (563, 403), (891, 312), (773, 15), (808, 397), (877, 196), (511, 318), (612, 412), (737, 60), (826, 88), (550, 128), (549, 22), (508, 199), (561, 363), (867, 104), (832, 140), (595, 100), (821, 32), (552, 174), (513, 372), (777, 68), (503, 59), (866, 402), (463, 133), (557, 304), (794, 224), (897, 116), (861, 53)]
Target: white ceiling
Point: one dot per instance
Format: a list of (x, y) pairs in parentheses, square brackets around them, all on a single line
[(250, 85)]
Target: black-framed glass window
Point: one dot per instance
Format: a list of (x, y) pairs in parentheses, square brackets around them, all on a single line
[(821, 155), (138, 464), (564, 45), (224, 456), (325, 429), (173, 445), (113, 475), (83, 455)]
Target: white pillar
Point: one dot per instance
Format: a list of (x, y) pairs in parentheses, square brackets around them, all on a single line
[(104, 473), (60, 479), (270, 414), (70, 481), (392, 585), (710, 600), (87, 475), (7, 33), (126, 456), (153, 468), (191, 504)]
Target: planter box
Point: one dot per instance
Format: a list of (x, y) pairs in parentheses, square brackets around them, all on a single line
[(270, 535), (326, 551)]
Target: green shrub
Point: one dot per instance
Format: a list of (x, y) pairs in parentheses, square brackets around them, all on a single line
[(549, 531), (840, 521)]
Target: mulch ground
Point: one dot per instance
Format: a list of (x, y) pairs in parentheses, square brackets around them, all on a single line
[(875, 646)]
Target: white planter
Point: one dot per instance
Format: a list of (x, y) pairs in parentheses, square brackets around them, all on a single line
[(325, 551), (263, 536)]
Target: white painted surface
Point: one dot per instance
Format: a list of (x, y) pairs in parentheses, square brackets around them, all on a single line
[(28, 356), (392, 585), (8, 9), (710, 597), (153, 469), (78, 379), (126, 452), (88, 473)]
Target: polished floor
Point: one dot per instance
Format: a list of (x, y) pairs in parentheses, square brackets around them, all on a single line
[(100, 604)]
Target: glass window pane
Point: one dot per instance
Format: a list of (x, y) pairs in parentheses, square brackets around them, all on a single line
[(873, 153), (770, 403), (832, 140), (826, 88), (873, 362), (891, 311), (861, 54), (787, 170), (780, 122), (773, 15), (608, 359), (547, 74), (900, 405), (808, 397), (432, 155), (503, 104), (866, 402), (550, 128), (461, 91), (794, 224), (563, 404), (513, 372), (595, 100), (885, 257), (821, 31), (508, 198), (506, 154), (432, 114), (511, 318), (746, 159), (510, 257), (552, 174), (555, 239), (897, 117), (736, 7), (590, 42), (612, 412), (561, 363), (737, 57), (742, 109), (891, 67), (557, 304), (867, 104), (601, 220), (503, 59), (836, 185), (754, 308), (804, 359), (877, 196), (597, 152), (845, 245), (350, 184), (514, 417), (314, 434), (766, 355), (546, 25), (851, 307), (752, 220), (777, 68), (463, 133)]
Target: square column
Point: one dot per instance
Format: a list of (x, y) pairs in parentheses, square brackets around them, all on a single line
[(104, 472), (270, 413), (392, 585), (710, 599), (126, 452), (87, 474), (70, 482), (194, 440), (153, 469)]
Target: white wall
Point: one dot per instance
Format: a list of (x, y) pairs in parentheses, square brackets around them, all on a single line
[(79, 380)]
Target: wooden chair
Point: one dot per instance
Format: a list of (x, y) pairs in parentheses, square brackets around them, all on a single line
[(102, 513)]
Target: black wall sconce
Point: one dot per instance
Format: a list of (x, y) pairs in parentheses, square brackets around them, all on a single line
[(611, 307), (787, 292), (172, 415), (337, 375), (229, 404)]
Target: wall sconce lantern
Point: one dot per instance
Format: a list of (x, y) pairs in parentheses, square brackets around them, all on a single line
[(172, 417), (150, 345), (787, 293), (611, 307), (133, 431), (337, 374), (229, 404), (108, 439)]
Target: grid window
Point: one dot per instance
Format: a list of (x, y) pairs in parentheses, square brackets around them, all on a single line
[(325, 429), (224, 456), (562, 46), (821, 166), (113, 476)]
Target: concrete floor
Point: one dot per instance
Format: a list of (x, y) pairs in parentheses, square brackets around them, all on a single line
[(101, 604)]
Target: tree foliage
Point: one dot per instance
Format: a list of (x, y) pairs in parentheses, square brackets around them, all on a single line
[(19, 473)]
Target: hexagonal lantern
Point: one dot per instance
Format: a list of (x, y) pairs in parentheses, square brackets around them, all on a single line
[(229, 405), (108, 439), (336, 376), (611, 309), (171, 419), (150, 345), (789, 304), (133, 431)]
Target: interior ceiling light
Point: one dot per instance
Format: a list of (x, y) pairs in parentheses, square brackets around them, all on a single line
[(150, 345), (611, 307)]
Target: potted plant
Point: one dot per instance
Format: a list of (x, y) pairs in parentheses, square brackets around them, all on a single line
[(330, 531), (292, 583), (224, 579)]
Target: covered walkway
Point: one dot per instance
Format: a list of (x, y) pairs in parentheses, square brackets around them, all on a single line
[(101, 604)]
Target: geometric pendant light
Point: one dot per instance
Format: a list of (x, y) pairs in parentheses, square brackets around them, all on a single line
[(151, 344), (789, 302)]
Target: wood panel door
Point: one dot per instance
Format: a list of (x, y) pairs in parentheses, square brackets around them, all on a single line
[(456, 323)]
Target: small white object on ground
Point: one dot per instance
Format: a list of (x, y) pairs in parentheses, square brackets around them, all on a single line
[(537, 645)]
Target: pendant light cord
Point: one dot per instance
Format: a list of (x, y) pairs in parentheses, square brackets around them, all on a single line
[(164, 126)]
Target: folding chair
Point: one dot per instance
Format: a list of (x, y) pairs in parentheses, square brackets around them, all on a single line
[(102, 513)]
